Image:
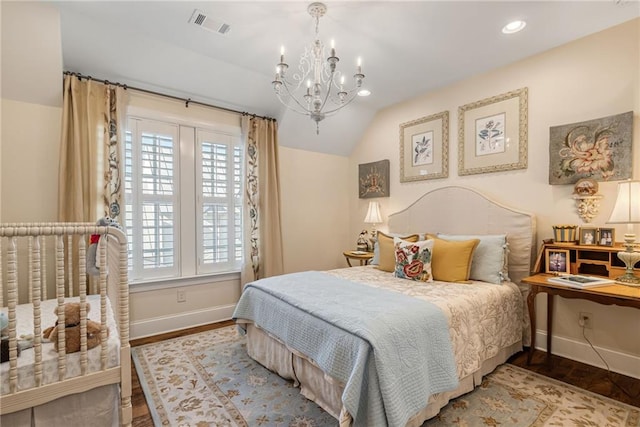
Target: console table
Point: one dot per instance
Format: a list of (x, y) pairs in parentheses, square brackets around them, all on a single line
[(609, 295)]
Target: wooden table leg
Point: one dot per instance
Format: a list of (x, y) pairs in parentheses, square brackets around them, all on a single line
[(531, 305), (549, 323), (348, 262)]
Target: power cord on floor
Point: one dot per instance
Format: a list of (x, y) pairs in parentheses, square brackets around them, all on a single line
[(609, 374)]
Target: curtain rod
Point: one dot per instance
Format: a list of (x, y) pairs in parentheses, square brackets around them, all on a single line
[(186, 101)]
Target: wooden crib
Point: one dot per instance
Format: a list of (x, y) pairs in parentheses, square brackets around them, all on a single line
[(43, 266)]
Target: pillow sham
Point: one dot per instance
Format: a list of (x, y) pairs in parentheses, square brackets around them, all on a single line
[(413, 260), (451, 260), (376, 246), (490, 259), (387, 260)]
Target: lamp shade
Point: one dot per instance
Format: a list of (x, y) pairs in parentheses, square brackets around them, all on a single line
[(373, 214), (627, 207)]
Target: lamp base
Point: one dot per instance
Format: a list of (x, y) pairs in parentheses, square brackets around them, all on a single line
[(630, 259)]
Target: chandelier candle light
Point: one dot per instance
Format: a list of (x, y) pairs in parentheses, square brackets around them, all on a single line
[(323, 88)]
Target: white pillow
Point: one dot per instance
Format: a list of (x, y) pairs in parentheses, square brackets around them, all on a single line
[(490, 259), (413, 259)]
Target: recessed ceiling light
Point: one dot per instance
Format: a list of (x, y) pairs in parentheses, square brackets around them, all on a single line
[(514, 27), (364, 92)]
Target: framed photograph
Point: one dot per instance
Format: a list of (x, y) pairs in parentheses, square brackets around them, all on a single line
[(424, 148), (557, 261), (492, 134), (588, 236), (373, 179), (573, 147), (606, 236)]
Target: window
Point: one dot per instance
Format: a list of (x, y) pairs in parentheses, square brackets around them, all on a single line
[(183, 191)]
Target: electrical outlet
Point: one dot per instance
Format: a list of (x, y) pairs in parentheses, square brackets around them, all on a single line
[(182, 295), (585, 320)]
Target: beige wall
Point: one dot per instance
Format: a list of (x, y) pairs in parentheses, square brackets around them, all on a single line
[(593, 77), (30, 147), (315, 204)]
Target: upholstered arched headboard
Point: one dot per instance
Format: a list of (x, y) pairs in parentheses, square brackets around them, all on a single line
[(461, 210)]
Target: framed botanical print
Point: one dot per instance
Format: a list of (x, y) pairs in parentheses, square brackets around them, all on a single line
[(492, 134), (424, 148)]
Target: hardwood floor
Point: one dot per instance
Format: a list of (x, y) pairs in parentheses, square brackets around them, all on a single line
[(578, 374)]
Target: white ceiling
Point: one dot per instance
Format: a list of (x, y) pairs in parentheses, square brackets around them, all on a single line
[(408, 48)]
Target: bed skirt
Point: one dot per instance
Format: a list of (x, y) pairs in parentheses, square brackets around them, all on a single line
[(315, 385)]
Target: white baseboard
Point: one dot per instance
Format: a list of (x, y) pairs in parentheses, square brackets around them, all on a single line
[(175, 322), (581, 351)]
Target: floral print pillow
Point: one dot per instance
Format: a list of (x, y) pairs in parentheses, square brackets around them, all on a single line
[(413, 260)]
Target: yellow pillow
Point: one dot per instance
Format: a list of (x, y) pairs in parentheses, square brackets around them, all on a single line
[(387, 250), (451, 260)]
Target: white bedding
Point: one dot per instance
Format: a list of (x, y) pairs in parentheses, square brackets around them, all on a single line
[(26, 377), (483, 317)]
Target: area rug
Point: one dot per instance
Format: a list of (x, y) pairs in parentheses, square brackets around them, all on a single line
[(207, 379)]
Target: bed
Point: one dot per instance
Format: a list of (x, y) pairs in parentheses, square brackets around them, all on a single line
[(44, 266), (485, 323)]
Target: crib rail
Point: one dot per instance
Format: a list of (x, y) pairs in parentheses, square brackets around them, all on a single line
[(24, 277)]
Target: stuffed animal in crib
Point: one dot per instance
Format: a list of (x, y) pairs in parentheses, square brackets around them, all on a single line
[(72, 329), (92, 253)]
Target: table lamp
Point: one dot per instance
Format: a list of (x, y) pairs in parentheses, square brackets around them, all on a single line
[(373, 217), (627, 211)]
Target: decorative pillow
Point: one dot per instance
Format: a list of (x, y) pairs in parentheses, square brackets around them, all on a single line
[(489, 263), (451, 261), (413, 260), (376, 246), (387, 258)]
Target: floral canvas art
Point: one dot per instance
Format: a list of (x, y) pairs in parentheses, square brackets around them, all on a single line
[(599, 149)]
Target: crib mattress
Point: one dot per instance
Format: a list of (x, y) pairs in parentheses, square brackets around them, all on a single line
[(26, 371)]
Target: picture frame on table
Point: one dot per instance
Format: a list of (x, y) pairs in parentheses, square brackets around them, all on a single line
[(557, 261), (493, 135), (606, 236), (424, 148), (588, 236)]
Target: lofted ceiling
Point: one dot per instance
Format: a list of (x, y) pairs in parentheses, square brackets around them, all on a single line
[(407, 49)]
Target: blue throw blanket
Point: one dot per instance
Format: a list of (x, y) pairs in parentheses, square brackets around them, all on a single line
[(390, 350)]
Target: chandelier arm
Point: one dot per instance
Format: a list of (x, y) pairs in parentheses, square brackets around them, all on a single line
[(329, 84), (294, 98), (304, 112), (341, 106)]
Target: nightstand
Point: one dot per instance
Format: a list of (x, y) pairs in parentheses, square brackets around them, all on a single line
[(613, 294), (363, 257)]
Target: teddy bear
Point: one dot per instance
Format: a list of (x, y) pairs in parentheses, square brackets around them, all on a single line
[(72, 329)]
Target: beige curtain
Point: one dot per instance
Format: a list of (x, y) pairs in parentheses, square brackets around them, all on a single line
[(91, 151), (263, 229)]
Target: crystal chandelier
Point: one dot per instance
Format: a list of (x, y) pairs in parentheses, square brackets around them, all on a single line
[(316, 89)]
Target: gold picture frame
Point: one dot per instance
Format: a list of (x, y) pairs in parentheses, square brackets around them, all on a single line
[(557, 261), (424, 148), (588, 236), (606, 236), (492, 134)]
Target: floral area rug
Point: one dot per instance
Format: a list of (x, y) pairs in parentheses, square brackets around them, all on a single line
[(207, 379)]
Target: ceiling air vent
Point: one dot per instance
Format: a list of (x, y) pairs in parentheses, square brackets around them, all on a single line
[(200, 19)]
